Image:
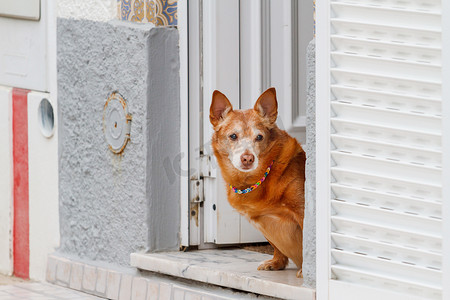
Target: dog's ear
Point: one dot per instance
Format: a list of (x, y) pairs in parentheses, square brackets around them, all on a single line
[(220, 107), (267, 105)]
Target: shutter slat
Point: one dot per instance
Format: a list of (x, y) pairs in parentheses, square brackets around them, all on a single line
[(381, 167), (388, 151), (397, 51), (396, 284), (419, 5), (427, 141), (407, 255), (386, 66), (391, 218), (397, 34), (387, 100), (384, 117), (397, 202), (387, 16), (387, 83), (387, 184), (414, 273), (386, 234)]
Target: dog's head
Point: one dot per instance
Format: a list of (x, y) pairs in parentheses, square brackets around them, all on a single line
[(243, 135)]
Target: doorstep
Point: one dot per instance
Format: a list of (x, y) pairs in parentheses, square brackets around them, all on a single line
[(236, 269)]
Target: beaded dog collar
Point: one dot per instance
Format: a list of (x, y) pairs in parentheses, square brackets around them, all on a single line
[(249, 189)]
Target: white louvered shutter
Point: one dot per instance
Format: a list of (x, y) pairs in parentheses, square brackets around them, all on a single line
[(385, 148)]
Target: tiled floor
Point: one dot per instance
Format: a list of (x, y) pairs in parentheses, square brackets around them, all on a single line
[(41, 291)]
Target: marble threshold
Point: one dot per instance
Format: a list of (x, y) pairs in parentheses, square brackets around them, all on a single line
[(234, 268)]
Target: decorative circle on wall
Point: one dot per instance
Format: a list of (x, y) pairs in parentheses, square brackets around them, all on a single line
[(46, 118), (116, 122)]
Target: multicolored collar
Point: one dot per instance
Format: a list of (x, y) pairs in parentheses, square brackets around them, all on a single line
[(249, 189)]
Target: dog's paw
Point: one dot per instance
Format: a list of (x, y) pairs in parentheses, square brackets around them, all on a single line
[(272, 265), (299, 273)]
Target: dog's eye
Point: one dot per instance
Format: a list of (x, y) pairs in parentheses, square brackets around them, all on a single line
[(259, 137), (233, 136)]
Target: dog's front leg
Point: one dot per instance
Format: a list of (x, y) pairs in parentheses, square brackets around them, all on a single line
[(278, 262)]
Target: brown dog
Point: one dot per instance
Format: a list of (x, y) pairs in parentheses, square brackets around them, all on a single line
[(264, 168)]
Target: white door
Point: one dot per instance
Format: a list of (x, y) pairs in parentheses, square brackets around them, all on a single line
[(240, 47), (379, 149), (24, 53)]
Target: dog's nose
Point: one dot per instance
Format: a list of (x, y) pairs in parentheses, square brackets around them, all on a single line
[(247, 159)]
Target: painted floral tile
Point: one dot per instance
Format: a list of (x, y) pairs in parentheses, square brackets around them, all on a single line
[(158, 12)]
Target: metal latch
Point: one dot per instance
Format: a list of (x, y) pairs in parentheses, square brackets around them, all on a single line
[(207, 166), (206, 170), (197, 191)]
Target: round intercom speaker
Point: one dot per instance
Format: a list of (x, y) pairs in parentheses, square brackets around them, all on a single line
[(116, 122)]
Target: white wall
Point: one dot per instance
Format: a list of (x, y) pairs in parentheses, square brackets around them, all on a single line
[(97, 10), (43, 188)]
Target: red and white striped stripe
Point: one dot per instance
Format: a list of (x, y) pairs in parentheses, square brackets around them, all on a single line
[(29, 224), (21, 228)]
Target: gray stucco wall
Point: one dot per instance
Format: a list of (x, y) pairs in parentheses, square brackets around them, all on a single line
[(112, 205), (309, 239)]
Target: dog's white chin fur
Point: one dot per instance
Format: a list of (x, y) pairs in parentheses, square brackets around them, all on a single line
[(246, 170)]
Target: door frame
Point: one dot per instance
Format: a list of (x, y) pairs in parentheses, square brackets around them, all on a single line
[(183, 11), (280, 70), (323, 256)]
